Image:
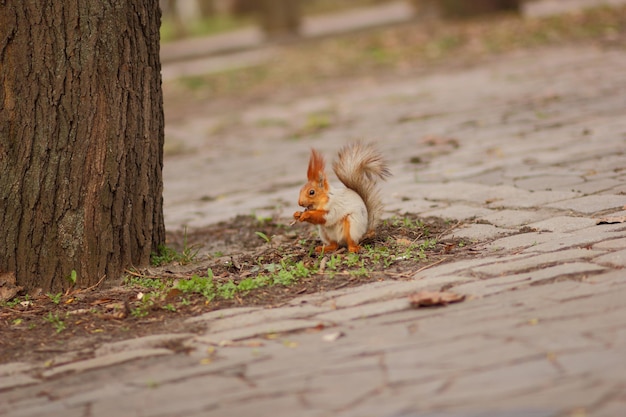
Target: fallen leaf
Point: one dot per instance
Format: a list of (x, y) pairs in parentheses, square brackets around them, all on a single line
[(611, 220), (8, 286), (173, 293), (434, 298)]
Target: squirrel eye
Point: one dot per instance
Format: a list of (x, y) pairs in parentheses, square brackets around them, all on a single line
[(311, 192)]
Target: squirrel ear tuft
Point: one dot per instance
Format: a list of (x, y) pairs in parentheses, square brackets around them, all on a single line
[(316, 167)]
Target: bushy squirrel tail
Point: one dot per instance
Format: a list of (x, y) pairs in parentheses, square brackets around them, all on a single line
[(358, 167)]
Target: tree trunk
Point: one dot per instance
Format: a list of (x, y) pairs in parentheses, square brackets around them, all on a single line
[(81, 139), (464, 8), (280, 19)]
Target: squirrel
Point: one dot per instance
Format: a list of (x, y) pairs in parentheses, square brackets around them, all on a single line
[(344, 215)]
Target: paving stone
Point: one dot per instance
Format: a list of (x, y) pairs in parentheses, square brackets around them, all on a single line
[(104, 361), (480, 232), (322, 388), (584, 238), (533, 199), (611, 407), (53, 409), (145, 342), (321, 298), (393, 290), (265, 316), (593, 187), (601, 363), (549, 182), (273, 405), (513, 218), (591, 204), (513, 282), (523, 240), (563, 224), (220, 314), (12, 368), (466, 266), (170, 399), (241, 333), (16, 380), (499, 382), (533, 262), (615, 259), (556, 399), (619, 243), (459, 212), (363, 311)]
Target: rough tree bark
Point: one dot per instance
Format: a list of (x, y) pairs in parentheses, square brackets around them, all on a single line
[(81, 139)]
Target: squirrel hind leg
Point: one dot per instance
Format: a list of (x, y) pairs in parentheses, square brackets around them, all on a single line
[(331, 247), (352, 245)]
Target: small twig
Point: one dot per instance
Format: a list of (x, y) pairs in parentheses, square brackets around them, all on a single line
[(449, 229), (140, 275), (429, 266), (96, 284)]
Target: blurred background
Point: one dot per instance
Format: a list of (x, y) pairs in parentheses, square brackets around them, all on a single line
[(216, 47)]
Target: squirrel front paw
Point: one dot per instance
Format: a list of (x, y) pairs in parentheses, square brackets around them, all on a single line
[(297, 215)]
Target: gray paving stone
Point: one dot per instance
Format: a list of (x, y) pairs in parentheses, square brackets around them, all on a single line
[(549, 399), (145, 342), (611, 407), (591, 204), (459, 212), (104, 361), (513, 218), (549, 182), (363, 311), (563, 224), (16, 380), (395, 289), (537, 261), (619, 243), (514, 282), (498, 382), (457, 269), (265, 316), (321, 391), (220, 314), (480, 232), (584, 238), (241, 333), (321, 298), (593, 187), (523, 240), (532, 199), (276, 405), (604, 364), (615, 259)]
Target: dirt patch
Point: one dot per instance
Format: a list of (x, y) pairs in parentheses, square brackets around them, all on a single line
[(245, 248)]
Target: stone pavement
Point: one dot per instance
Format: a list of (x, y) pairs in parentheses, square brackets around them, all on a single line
[(533, 141)]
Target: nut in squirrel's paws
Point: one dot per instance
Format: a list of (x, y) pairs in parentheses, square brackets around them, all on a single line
[(296, 217)]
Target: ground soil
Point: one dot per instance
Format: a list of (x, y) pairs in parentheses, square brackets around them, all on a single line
[(48, 325)]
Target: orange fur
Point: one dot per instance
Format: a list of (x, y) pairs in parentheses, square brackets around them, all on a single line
[(316, 166), (352, 245)]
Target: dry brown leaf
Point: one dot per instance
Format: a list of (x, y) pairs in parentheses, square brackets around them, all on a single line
[(8, 286), (611, 220), (434, 298)]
